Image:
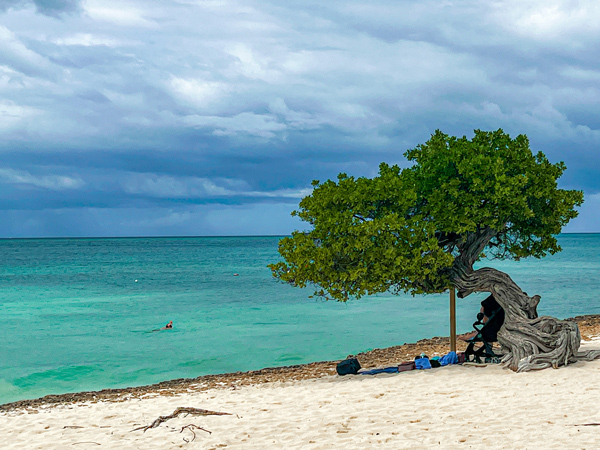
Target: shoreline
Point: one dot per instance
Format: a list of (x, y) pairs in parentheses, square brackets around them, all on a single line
[(589, 326)]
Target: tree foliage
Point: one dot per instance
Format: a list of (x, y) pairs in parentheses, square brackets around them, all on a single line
[(405, 229)]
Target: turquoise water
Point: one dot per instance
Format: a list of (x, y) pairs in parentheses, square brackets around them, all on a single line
[(77, 314)]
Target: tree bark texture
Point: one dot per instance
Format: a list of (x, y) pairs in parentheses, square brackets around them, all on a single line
[(528, 342)]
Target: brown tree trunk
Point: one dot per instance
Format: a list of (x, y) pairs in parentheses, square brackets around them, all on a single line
[(528, 342)]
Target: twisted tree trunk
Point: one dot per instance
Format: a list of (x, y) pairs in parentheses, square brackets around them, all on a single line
[(528, 342)]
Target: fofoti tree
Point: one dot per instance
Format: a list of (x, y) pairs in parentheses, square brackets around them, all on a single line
[(421, 229)]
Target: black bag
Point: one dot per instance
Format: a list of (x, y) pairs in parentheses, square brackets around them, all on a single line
[(435, 363), (348, 366)]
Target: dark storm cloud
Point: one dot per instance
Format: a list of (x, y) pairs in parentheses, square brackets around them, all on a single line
[(52, 8), (56, 7), (169, 111)]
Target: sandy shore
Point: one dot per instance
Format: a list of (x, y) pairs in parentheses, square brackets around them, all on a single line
[(308, 407)]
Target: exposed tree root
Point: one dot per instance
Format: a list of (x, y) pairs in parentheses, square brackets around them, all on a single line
[(528, 342), (178, 412)]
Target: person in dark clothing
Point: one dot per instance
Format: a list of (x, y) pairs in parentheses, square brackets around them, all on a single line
[(493, 318)]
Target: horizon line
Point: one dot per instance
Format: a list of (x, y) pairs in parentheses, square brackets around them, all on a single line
[(187, 236)]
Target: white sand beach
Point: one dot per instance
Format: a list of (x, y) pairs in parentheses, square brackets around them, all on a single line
[(447, 408)]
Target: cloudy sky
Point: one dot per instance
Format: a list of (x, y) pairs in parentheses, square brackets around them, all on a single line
[(202, 117)]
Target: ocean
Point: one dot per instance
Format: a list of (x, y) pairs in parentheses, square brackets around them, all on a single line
[(78, 314)]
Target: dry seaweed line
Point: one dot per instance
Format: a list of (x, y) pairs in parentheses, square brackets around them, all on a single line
[(179, 411)]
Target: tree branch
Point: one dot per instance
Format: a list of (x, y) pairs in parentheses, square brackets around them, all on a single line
[(179, 411)]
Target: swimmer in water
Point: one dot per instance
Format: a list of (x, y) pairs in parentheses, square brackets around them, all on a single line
[(168, 326)]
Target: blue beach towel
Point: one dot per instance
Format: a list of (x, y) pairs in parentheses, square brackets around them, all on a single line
[(450, 358), (376, 371), (422, 363)]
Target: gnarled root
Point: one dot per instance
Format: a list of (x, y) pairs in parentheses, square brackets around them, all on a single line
[(541, 343)]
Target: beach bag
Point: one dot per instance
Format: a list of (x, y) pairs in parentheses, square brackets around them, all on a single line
[(349, 366), (406, 366)]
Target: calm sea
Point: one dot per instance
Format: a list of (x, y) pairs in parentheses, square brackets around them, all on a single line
[(78, 314)]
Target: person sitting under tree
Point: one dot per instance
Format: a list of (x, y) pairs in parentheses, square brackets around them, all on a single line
[(493, 318)]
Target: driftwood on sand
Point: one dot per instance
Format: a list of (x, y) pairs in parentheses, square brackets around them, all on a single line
[(179, 411)]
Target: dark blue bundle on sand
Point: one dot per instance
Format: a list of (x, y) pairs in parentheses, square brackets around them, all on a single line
[(393, 369)]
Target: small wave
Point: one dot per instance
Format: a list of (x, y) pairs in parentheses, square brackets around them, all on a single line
[(290, 357)]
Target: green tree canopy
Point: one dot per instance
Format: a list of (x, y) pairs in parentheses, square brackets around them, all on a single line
[(406, 229)]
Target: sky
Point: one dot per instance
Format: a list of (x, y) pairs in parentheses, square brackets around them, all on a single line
[(182, 117)]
